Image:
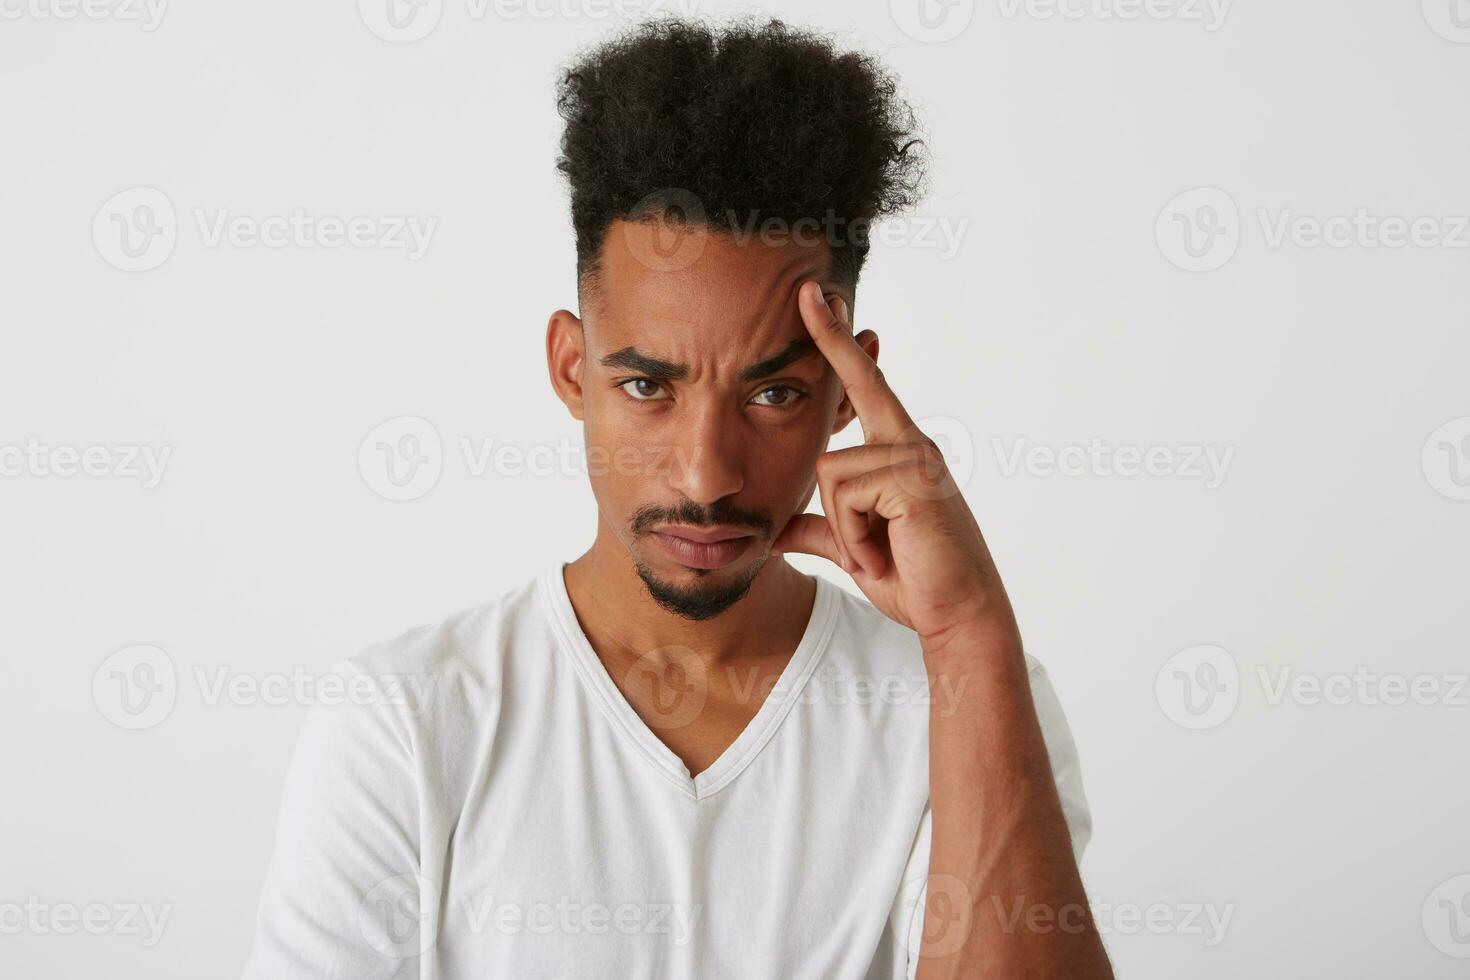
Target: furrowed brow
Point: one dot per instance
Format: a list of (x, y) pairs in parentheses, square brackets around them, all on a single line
[(634, 360), (794, 351)]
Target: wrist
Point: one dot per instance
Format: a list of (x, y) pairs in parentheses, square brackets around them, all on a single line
[(972, 643)]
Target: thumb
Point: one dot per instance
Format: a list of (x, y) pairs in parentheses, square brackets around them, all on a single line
[(808, 534)]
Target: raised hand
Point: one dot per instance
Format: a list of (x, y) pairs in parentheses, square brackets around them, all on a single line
[(894, 518)]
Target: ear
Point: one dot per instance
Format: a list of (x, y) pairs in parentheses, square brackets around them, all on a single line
[(565, 355), (868, 341)]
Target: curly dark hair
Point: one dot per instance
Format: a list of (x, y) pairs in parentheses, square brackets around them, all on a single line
[(751, 120)]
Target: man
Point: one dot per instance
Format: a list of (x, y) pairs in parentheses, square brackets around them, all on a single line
[(677, 756)]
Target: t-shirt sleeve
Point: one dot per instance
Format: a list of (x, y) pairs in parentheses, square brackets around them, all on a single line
[(908, 914), (342, 894), (1061, 749)]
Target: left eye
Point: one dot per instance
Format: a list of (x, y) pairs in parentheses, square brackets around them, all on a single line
[(787, 395)]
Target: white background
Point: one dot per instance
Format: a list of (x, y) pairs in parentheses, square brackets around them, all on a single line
[(1334, 542)]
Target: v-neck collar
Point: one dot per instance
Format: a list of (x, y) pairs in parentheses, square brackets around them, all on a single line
[(739, 753)]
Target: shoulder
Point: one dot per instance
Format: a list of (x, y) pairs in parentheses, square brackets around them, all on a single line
[(876, 639), (864, 637), (398, 702), (445, 675), (466, 641), (1061, 750)]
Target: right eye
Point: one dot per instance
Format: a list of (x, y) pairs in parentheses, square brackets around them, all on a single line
[(635, 387)]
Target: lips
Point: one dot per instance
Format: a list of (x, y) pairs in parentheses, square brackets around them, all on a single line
[(702, 535), (712, 548)]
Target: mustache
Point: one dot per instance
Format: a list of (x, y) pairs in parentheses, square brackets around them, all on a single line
[(688, 512)]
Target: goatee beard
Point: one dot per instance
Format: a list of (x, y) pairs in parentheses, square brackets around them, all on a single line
[(696, 602)]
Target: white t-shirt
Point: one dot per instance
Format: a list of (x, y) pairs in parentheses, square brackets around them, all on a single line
[(484, 803)]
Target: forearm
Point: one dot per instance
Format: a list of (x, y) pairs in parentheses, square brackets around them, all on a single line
[(1005, 897)]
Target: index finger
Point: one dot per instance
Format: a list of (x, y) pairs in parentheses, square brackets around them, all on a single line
[(882, 415)]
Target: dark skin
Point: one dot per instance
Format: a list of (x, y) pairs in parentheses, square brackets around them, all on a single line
[(709, 436), (893, 519)]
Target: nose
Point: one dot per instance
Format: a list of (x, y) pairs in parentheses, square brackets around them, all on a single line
[(707, 463)]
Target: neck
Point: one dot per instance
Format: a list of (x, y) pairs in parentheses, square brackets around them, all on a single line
[(619, 616)]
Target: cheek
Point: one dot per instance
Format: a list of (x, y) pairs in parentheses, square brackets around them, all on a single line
[(785, 468), (814, 442), (624, 454)]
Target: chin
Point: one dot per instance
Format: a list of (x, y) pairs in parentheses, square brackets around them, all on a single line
[(711, 591)]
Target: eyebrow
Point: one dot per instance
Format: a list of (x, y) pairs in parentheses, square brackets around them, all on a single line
[(661, 370)]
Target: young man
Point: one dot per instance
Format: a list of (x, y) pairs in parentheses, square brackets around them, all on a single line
[(677, 756)]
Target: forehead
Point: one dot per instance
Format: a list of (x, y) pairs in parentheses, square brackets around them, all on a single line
[(690, 285)]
